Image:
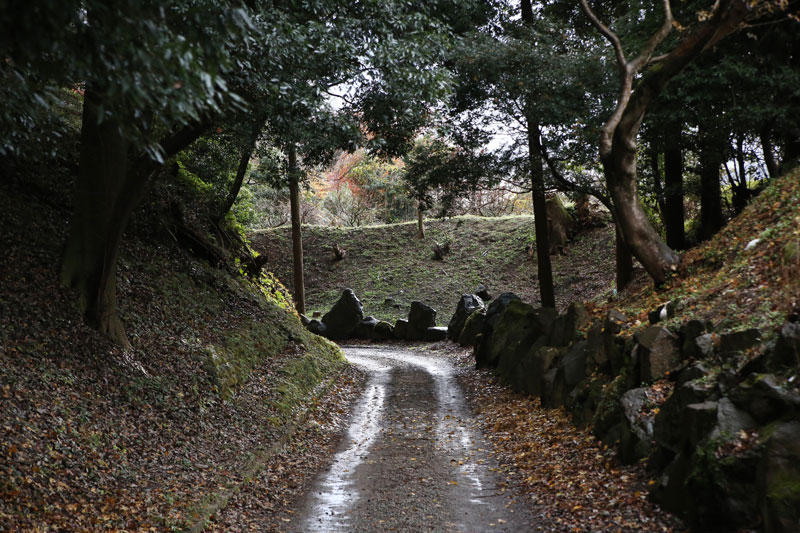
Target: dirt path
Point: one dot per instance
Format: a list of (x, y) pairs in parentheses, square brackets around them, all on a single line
[(411, 459)]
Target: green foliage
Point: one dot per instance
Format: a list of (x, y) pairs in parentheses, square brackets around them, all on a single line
[(381, 184), (157, 65), (439, 172)]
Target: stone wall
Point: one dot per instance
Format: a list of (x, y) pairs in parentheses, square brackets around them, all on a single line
[(716, 415)]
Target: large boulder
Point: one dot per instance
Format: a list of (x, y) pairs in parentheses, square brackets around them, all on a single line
[(638, 430), (738, 341), (472, 328), (365, 329), (779, 479), (700, 419), (786, 353), (572, 367), (712, 483), (656, 353), (670, 428), (766, 397), (688, 334), (383, 331), (468, 304), (343, 318), (550, 393), (436, 334), (401, 330), (420, 318), (533, 367), (519, 328), (608, 417), (493, 313), (731, 420), (565, 328), (584, 400)]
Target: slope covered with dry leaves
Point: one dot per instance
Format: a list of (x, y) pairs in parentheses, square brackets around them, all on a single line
[(93, 437), (748, 275)]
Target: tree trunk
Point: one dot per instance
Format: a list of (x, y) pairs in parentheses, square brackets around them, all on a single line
[(536, 160), (618, 143), (297, 235), (624, 261), (769, 153), (673, 191), (110, 185), (241, 170), (740, 190), (420, 224), (712, 156), (657, 188), (544, 268), (106, 193), (791, 150), (642, 239)]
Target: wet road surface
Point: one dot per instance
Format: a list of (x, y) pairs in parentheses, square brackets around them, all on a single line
[(411, 460)]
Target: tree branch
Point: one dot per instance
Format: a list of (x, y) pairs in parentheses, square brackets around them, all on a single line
[(607, 33), (652, 43), (571, 186)]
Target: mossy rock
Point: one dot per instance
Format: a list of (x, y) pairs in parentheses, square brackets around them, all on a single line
[(779, 477), (585, 399), (720, 487), (533, 367), (609, 413), (520, 327), (230, 363), (472, 328)]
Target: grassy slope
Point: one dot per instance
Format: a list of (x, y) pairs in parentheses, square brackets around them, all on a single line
[(93, 437), (388, 261), (733, 287)]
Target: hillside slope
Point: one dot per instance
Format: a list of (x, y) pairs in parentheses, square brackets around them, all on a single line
[(388, 267), (151, 438), (748, 275)]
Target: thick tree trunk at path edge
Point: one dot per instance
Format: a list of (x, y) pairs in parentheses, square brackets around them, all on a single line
[(638, 233), (105, 195), (297, 235), (544, 268), (618, 138), (420, 223)]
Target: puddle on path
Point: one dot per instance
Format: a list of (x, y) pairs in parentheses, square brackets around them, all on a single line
[(376, 480)]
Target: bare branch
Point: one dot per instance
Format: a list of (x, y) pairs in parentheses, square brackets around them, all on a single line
[(342, 97), (656, 39), (607, 33), (657, 59), (572, 186)]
